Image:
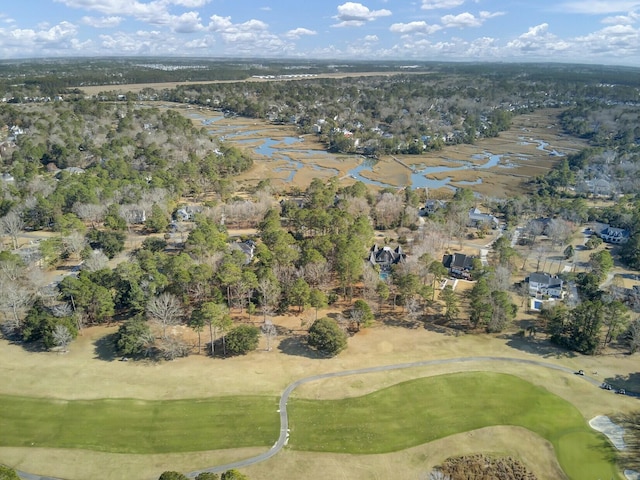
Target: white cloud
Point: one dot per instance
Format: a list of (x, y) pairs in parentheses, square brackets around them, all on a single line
[(371, 39), (538, 39), (26, 41), (414, 27), (189, 3), (6, 19), (467, 19), (629, 19), (102, 22), (187, 23), (614, 41), (440, 4), (351, 14), (596, 7), (155, 12), (299, 32), (248, 38)]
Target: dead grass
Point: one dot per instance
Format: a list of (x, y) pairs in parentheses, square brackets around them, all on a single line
[(534, 452)]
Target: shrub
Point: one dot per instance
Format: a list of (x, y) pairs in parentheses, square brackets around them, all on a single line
[(325, 335)]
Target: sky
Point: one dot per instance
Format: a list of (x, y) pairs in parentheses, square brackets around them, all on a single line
[(582, 31)]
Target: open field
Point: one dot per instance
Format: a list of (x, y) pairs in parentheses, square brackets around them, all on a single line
[(138, 87), (91, 371)]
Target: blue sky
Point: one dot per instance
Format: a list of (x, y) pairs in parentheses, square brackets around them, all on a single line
[(590, 31)]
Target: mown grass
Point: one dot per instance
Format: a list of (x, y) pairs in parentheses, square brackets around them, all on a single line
[(392, 419), (426, 409), (134, 426)]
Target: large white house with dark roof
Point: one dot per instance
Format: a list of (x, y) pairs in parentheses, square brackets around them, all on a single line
[(543, 284)]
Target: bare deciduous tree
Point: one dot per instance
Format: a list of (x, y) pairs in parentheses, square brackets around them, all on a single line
[(165, 310), (370, 280), (632, 336), (12, 224), (269, 293), (559, 231), (388, 210), (97, 260), (317, 274), (14, 298), (74, 243), (89, 212), (173, 347), (269, 331), (62, 337)]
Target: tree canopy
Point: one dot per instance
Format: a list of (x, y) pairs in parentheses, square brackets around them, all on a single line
[(326, 336)]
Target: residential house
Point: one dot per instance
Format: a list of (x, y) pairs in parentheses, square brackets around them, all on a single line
[(186, 214), (459, 265), (74, 170), (615, 235), (247, 247), (545, 285), (598, 187), (386, 257), (431, 207), (478, 219)]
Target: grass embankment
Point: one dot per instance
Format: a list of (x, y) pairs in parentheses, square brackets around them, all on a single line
[(142, 427), (426, 409)]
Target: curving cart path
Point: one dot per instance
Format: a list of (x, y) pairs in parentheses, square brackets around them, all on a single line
[(283, 438)]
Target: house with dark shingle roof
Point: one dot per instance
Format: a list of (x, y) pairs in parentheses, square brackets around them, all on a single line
[(615, 235), (459, 265), (543, 284), (386, 257)]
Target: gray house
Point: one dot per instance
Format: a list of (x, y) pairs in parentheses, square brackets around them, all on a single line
[(386, 257), (459, 265), (477, 219), (615, 235), (543, 284)]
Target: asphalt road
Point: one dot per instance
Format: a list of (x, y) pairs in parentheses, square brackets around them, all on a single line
[(284, 418)]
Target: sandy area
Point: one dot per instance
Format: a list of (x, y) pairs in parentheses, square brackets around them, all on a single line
[(615, 434)]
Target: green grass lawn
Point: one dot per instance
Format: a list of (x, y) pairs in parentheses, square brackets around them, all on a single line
[(426, 409), (392, 419), (134, 426)]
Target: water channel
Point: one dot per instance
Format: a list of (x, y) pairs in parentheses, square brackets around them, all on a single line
[(418, 176)]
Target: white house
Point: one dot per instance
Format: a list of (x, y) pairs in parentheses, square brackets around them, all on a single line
[(477, 219), (543, 284)]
